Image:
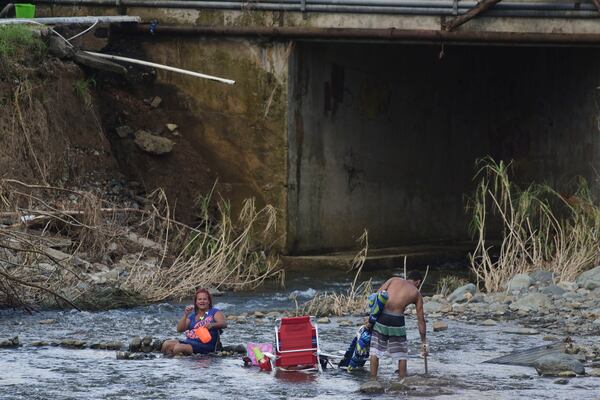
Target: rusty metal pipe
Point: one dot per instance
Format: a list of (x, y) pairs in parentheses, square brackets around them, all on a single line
[(369, 34), (408, 7)]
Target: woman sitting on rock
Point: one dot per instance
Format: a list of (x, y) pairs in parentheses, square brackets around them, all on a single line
[(202, 324)]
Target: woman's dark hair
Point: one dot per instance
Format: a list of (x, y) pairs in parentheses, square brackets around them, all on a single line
[(196, 297)]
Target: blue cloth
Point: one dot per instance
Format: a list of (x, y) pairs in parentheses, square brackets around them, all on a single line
[(192, 340), (357, 353)]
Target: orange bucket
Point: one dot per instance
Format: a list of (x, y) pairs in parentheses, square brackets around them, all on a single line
[(203, 334)]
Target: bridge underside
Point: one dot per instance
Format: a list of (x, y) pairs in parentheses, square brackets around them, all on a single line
[(385, 137)]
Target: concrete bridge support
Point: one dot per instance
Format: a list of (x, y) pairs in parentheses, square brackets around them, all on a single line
[(343, 136)]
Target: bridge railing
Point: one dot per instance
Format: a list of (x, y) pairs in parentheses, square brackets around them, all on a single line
[(514, 8)]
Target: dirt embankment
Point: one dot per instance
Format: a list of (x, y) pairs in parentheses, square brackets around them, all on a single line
[(66, 125)]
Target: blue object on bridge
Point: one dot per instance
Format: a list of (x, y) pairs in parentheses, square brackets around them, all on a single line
[(153, 25), (357, 353)]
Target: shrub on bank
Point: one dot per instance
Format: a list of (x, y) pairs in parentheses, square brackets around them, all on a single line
[(20, 42), (541, 229)]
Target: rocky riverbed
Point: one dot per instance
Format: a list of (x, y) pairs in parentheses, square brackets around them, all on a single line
[(69, 354)]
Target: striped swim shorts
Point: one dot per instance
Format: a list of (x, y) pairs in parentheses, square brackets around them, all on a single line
[(389, 336)]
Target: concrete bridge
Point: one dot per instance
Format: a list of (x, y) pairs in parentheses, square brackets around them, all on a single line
[(356, 114)]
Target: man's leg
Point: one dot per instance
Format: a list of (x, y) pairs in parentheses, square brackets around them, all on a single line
[(402, 368), (374, 366)]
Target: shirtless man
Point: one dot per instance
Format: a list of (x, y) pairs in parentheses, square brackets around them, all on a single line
[(389, 332)]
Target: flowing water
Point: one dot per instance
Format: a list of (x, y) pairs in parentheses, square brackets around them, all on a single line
[(456, 358)]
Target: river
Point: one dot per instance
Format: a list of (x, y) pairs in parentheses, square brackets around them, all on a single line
[(455, 362)]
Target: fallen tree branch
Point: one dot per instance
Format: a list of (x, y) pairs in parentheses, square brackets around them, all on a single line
[(33, 285)]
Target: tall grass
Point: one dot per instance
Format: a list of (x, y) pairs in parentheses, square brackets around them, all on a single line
[(540, 228), (224, 252), (19, 40), (157, 257), (353, 301)]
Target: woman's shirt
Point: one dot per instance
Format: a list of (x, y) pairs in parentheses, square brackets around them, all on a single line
[(207, 318)]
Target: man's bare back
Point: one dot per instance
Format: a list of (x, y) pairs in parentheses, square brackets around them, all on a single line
[(401, 293)]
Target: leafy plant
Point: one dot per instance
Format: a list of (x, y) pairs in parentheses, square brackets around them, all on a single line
[(82, 88)]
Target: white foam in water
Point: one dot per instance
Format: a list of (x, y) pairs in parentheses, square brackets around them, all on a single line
[(224, 306), (308, 293)]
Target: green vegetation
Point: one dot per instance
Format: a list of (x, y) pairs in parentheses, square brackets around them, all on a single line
[(19, 40), (82, 89), (541, 229), (447, 284)]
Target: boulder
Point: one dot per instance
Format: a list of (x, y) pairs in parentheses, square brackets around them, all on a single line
[(459, 294), (135, 344), (372, 387), (47, 321), (13, 342), (235, 348), (153, 144), (541, 278), (519, 282), (323, 320), (569, 286), (531, 302), (146, 344), (553, 290), (589, 279), (432, 307), (72, 343), (115, 345), (400, 386), (439, 326), (554, 364), (125, 355)]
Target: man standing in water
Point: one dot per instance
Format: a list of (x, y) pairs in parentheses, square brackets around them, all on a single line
[(389, 331)]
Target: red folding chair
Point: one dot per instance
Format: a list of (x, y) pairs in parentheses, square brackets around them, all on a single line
[(297, 343)]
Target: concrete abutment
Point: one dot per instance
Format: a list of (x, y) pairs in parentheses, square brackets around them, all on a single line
[(347, 136)]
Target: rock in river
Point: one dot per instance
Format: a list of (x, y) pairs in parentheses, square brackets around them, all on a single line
[(519, 282), (589, 279), (459, 294), (554, 364), (14, 342), (372, 387), (439, 326)]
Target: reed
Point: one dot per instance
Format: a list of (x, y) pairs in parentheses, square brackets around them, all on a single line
[(353, 301), (447, 284), (159, 258), (540, 228)]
